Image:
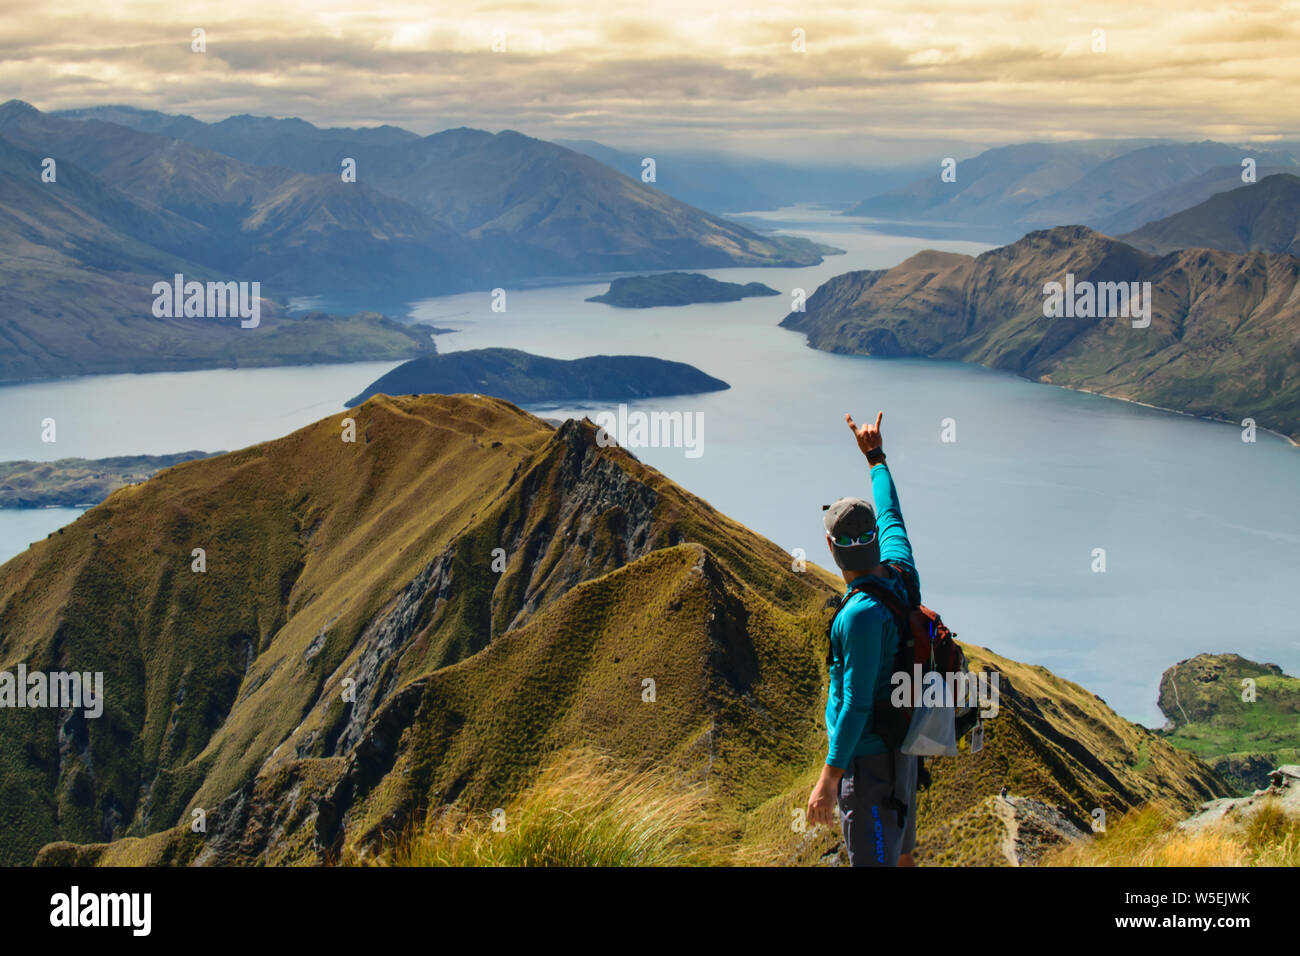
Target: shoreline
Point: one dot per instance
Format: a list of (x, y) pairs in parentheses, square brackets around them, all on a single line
[(1173, 411)]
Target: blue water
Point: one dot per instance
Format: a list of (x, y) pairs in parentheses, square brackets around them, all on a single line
[(1200, 530)]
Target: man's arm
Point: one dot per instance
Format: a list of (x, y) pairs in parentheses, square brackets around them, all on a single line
[(894, 545), (862, 642)]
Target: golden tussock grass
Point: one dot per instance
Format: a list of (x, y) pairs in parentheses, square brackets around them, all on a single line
[(1150, 836), (582, 811)]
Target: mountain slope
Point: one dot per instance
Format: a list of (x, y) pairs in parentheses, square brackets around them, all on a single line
[(351, 656), (373, 563), (1259, 217), (546, 209), (80, 259), (1184, 195), (1224, 338)]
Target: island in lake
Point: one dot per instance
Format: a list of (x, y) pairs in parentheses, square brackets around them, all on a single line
[(523, 378), (676, 288)]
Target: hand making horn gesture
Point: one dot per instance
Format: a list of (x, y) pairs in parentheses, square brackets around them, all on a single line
[(868, 436)]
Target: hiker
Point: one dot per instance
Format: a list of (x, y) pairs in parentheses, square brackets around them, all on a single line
[(874, 785), (1003, 794)]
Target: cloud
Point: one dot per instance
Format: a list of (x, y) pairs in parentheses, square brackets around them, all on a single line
[(699, 74)]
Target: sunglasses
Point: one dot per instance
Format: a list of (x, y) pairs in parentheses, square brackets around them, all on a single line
[(844, 541)]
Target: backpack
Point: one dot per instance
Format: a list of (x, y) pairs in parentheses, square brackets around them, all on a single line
[(924, 640)]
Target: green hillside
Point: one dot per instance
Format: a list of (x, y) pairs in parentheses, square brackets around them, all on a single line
[(1243, 739)]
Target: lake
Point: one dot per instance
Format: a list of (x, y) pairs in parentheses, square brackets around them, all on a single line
[(1199, 530)]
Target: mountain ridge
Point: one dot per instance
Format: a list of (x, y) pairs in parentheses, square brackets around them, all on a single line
[(350, 658)]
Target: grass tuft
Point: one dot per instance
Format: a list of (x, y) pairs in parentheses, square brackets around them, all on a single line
[(582, 811)]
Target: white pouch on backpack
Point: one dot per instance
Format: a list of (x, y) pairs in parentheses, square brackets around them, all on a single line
[(932, 732)]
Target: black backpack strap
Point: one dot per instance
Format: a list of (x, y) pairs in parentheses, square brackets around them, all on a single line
[(830, 625)]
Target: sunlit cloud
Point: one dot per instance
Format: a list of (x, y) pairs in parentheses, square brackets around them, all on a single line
[(713, 75)]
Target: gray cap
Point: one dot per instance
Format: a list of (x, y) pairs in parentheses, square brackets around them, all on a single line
[(852, 518)]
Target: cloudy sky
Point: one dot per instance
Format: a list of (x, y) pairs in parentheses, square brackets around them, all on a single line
[(897, 81)]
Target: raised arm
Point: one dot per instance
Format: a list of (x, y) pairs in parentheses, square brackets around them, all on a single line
[(894, 545)]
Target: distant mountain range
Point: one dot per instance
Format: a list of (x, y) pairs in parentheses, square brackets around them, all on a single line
[(524, 378), (527, 207), (260, 200), (1223, 339), (1113, 186), (425, 618), (714, 181), (293, 232)]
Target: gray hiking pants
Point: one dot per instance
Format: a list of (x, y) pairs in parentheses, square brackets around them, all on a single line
[(874, 792)]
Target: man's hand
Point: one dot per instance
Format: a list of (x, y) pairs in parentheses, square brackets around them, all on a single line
[(868, 436), (822, 800)]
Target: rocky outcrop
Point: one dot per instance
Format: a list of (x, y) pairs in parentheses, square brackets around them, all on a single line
[(1033, 828), (1284, 788)]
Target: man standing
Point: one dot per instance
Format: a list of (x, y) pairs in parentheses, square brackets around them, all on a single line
[(875, 786)]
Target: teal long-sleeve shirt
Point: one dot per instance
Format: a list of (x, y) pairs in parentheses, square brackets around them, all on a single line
[(864, 638)]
